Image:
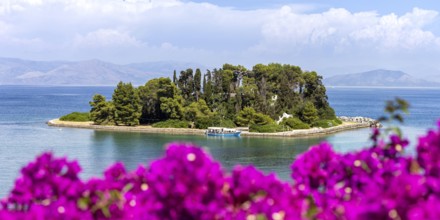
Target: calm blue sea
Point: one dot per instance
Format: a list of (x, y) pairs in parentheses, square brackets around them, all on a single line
[(24, 110)]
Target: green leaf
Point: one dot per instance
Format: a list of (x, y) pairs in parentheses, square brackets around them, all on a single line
[(261, 217), (398, 117), (105, 210), (83, 203), (127, 188), (313, 209)]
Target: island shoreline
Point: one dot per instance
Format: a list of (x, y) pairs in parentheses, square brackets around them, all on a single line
[(345, 126)]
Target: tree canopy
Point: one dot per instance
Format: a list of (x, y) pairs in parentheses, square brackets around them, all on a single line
[(231, 93), (127, 105)]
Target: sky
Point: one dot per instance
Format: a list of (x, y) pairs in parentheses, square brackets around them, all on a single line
[(328, 36)]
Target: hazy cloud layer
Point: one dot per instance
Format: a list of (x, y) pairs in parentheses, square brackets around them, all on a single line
[(334, 40)]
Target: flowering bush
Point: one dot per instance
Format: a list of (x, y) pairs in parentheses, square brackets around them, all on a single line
[(375, 183)]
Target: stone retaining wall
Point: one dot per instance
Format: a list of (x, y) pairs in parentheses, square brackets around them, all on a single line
[(148, 129), (143, 129), (311, 132)]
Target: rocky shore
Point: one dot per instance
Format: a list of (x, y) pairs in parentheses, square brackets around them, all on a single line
[(346, 125), (359, 119)]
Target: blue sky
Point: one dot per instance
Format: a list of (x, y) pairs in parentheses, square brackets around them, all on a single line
[(381, 6), (329, 36)]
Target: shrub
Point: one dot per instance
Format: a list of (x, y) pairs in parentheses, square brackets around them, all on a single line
[(196, 110), (326, 123), (337, 121), (227, 123), (245, 116), (269, 128), (249, 116), (262, 119), (76, 116), (294, 123), (205, 122), (309, 113), (171, 123), (326, 112)]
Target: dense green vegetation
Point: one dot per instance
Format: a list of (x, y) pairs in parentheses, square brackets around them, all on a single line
[(268, 128), (229, 96), (76, 116), (171, 123), (294, 123), (325, 123)]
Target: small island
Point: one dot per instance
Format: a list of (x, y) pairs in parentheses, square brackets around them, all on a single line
[(268, 100)]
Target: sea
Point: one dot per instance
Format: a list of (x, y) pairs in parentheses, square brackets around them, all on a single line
[(24, 134)]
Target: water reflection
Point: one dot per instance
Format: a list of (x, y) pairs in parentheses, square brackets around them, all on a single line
[(268, 154)]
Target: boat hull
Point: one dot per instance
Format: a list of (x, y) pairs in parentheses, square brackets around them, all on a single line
[(235, 134)]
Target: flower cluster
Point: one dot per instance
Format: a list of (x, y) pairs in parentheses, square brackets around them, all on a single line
[(379, 182)]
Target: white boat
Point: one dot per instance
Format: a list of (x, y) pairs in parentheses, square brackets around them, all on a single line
[(220, 131)]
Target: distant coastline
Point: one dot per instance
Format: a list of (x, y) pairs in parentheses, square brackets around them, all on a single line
[(380, 78), (345, 126), (383, 87)]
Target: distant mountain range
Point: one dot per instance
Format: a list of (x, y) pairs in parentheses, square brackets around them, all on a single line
[(89, 72), (379, 78), (96, 72)]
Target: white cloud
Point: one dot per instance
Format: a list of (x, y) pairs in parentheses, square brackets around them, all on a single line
[(339, 28), (116, 6), (286, 26), (405, 32), (106, 38), (418, 18), (210, 34), (7, 8)]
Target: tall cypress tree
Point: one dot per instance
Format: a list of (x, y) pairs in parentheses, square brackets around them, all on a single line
[(174, 77), (203, 86), (126, 100), (186, 84), (207, 88), (197, 85)]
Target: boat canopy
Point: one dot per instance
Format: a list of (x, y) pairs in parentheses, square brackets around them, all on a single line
[(221, 129)]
